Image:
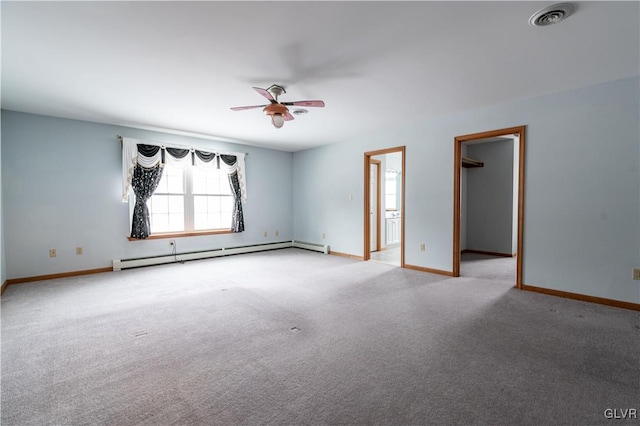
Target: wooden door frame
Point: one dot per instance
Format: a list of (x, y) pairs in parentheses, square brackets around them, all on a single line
[(457, 171), (377, 163), (367, 198)]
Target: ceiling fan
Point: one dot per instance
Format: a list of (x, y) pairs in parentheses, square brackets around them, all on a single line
[(278, 110)]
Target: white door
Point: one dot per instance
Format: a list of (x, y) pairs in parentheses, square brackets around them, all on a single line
[(373, 209)]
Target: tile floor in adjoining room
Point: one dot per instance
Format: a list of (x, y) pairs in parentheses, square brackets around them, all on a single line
[(390, 256)]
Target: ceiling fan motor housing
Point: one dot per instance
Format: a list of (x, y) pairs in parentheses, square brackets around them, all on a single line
[(273, 109)]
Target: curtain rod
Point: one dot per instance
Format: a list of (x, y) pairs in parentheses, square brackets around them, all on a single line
[(120, 140)]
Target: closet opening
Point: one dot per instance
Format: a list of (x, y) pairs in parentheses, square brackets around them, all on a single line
[(489, 203)]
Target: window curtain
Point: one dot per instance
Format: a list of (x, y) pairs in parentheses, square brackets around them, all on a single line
[(237, 219), (178, 157), (208, 159), (205, 160), (129, 161), (144, 183), (199, 158), (142, 166), (146, 177)]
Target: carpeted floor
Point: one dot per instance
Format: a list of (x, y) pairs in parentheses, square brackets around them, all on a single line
[(292, 337), (486, 267)]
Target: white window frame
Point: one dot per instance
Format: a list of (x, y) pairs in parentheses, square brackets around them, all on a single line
[(189, 208)]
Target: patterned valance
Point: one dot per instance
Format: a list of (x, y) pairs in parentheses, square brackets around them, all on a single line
[(150, 154)]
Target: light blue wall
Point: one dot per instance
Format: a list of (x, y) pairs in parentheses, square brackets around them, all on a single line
[(490, 198), (62, 189), (582, 186)]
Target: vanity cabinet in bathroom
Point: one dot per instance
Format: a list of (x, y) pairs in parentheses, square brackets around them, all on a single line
[(393, 230)]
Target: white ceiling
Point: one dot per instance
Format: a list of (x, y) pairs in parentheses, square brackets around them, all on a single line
[(180, 66)]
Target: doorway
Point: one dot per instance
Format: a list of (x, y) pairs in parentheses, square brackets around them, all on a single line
[(462, 143), (384, 205)]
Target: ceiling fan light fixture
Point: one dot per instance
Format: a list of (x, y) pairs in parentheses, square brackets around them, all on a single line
[(277, 112), (277, 120)]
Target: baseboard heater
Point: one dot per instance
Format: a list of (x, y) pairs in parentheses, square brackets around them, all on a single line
[(119, 264), (310, 246)]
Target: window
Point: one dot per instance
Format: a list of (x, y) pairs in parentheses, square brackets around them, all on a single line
[(180, 190), (167, 204), (191, 199), (212, 200)]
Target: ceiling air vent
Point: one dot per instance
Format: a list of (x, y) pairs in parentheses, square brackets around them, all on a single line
[(551, 14)]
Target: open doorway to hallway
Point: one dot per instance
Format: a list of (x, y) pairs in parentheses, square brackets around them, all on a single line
[(488, 205), (384, 206)]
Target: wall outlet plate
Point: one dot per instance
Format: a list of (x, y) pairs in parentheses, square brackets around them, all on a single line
[(636, 273), (52, 253), (79, 251)]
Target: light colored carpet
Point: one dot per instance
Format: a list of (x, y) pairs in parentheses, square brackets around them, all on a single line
[(486, 267), (292, 337)]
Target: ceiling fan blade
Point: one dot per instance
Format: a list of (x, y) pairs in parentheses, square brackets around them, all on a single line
[(264, 93), (242, 108), (287, 116), (305, 103)]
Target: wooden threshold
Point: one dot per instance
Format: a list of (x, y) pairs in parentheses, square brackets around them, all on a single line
[(5, 284)]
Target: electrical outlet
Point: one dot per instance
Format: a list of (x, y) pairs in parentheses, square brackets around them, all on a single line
[(52, 253), (277, 233), (265, 233), (324, 235), (636, 273), (79, 251), (350, 197), (422, 247), (172, 242)]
